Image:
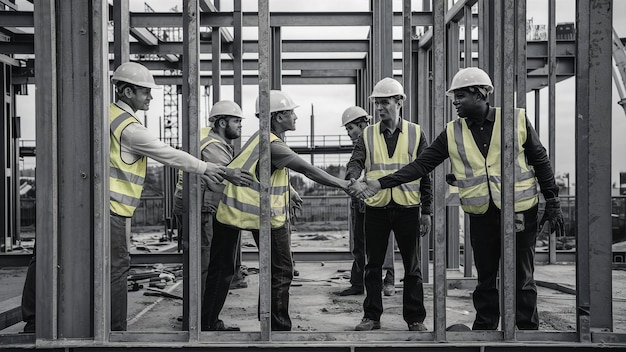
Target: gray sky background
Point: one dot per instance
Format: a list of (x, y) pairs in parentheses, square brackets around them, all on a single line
[(330, 101)]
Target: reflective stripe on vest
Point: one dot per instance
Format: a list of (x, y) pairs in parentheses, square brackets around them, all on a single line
[(480, 179), (240, 206), (378, 163), (126, 180)]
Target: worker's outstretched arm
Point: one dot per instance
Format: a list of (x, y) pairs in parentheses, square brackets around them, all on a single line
[(316, 174)]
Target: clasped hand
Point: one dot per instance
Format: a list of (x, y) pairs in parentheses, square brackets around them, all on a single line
[(363, 189)]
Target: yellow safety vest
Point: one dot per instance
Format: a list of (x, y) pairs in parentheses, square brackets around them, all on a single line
[(125, 180), (240, 206), (480, 179), (204, 142), (379, 164)]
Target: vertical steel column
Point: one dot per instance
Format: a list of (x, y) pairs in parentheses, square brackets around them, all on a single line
[(520, 52), (47, 222), (358, 88), (453, 57), (424, 119), (367, 78), (216, 63), (495, 46), (264, 170), (508, 142), (467, 40), (237, 61), (407, 40), (593, 165), (386, 38), (376, 46), (551, 80), (439, 96), (121, 33), (276, 48), (101, 137), (537, 111), (414, 82), (191, 144), (467, 245), (484, 35), (75, 286)]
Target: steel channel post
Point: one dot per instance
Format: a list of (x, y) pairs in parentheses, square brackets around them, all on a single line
[(191, 143), (508, 142), (439, 262), (264, 169)]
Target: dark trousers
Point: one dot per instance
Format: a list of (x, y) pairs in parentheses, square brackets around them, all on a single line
[(206, 237), (220, 272), (357, 236), (282, 274), (485, 237), (29, 298), (404, 222), (120, 265)]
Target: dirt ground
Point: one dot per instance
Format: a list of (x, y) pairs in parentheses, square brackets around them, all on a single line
[(315, 305)]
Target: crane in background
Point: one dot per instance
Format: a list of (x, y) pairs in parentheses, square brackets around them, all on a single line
[(619, 55)]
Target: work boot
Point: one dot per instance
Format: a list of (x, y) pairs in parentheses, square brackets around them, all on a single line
[(352, 291), (29, 328), (417, 326), (220, 326), (367, 324), (389, 289), (235, 284)]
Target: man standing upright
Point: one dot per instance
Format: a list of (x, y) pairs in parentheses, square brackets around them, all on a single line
[(240, 209), (387, 146), (473, 144), (355, 119), (131, 145)]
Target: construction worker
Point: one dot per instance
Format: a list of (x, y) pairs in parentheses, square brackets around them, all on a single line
[(216, 147), (385, 147), (473, 144), (239, 209), (355, 119), (131, 145)]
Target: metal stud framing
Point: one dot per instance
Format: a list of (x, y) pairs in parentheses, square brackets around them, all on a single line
[(63, 49)]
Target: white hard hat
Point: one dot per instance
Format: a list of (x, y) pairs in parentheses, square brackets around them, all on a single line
[(225, 108), (352, 113), (387, 87), (134, 73), (279, 101), (470, 77)]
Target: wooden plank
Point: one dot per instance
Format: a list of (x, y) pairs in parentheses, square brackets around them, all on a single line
[(10, 312)]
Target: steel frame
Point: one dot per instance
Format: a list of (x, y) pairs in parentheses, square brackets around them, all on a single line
[(72, 311)]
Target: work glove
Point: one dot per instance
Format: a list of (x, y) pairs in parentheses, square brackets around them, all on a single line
[(553, 216)]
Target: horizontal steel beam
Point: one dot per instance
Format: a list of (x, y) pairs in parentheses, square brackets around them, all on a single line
[(21, 260)]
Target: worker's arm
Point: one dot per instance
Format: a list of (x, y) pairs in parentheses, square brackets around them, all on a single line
[(316, 174), (285, 157), (426, 162), (139, 140), (357, 160), (538, 158)]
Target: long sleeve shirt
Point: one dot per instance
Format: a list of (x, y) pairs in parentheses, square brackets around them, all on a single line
[(437, 153), (356, 165), (137, 140)]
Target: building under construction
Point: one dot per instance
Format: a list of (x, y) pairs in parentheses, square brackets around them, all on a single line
[(64, 52)]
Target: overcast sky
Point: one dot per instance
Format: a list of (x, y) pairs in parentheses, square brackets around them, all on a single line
[(330, 101)]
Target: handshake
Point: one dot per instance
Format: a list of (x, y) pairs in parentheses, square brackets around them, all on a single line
[(362, 189)]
